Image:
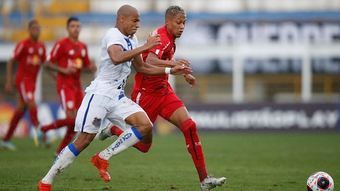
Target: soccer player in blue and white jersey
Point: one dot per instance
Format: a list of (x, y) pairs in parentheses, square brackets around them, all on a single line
[(105, 98)]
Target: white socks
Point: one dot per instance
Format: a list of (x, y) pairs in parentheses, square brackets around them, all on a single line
[(65, 158), (127, 139)]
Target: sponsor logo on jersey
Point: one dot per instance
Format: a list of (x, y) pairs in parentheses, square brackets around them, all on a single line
[(71, 52)]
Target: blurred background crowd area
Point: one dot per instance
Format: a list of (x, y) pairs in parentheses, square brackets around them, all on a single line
[(240, 50)]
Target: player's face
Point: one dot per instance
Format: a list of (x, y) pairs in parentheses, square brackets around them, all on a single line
[(176, 24), (132, 24), (34, 31), (73, 29)]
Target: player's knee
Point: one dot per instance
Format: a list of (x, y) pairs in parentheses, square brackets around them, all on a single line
[(145, 128), (31, 104), (188, 125)]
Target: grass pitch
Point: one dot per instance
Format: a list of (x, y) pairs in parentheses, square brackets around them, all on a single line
[(250, 161)]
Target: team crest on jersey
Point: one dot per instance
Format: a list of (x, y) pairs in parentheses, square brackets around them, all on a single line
[(31, 50), (78, 63), (71, 52), (40, 51), (83, 52), (35, 60), (96, 122)]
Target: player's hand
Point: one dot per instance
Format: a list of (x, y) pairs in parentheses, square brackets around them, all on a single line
[(182, 62), (9, 87), (153, 40), (190, 79), (179, 69), (69, 70)]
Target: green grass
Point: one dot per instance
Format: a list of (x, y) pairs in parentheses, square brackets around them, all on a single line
[(250, 161)]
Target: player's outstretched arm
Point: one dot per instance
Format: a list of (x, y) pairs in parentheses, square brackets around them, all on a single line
[(190, 79), (55, 67), (119, 56), (153, 59), (142, 67), (9, 75)]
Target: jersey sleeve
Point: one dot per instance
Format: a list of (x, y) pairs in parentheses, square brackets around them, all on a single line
[(159, 49), (43, 56), (18, 51), (56, 53), (86, 59), (112, 37)]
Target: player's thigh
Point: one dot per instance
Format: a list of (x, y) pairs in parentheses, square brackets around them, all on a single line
[(26, 90), (130, 112), (68, 98), (149, 103), (174, 110), (92, 112)]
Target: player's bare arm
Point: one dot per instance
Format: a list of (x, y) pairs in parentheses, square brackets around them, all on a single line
[(119, 56), (9, 76), (91, 68), (190, 79), (55, 67), (154, 60), (149, 69)]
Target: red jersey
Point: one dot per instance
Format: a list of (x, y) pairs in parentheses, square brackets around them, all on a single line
[(68, 53), (165, 51), (30, 55)]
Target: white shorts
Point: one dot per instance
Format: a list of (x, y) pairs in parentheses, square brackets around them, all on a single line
[(96, 109)]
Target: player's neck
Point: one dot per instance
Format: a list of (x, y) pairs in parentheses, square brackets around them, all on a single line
[(169, 33), (73, 39), (34, 39), (122, 31)]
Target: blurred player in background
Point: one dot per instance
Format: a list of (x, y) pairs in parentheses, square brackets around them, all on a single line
[(30, 55), (69, 57), (155, 95), (105, 98)]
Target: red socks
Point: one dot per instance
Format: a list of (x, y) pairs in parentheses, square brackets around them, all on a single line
[(34, 116), (59, 123), (13, 124), (194, 147)]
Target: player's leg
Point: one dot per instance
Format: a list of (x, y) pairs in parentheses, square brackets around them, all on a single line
[(72, 104), (17, 115), (70, 101), (140, 130), (28, 90), (69, 135), (180, 118), (175, 112), (91, 109), (117, 127)]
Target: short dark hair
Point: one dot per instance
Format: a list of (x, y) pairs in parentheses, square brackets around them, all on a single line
[(173, 11), (70, 19), (32, 22)]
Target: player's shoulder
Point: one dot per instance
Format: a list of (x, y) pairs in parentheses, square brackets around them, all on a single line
[(163, 33), (24, 42), (83, 44), (113, 31), (41, 44), (62, 41)]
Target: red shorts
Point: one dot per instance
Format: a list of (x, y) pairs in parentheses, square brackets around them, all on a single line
[(26, 89), (154, 105), (71, 97)]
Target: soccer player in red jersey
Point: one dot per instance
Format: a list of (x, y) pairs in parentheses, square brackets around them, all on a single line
[(69, 57), (30, 55), (155, 95)]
